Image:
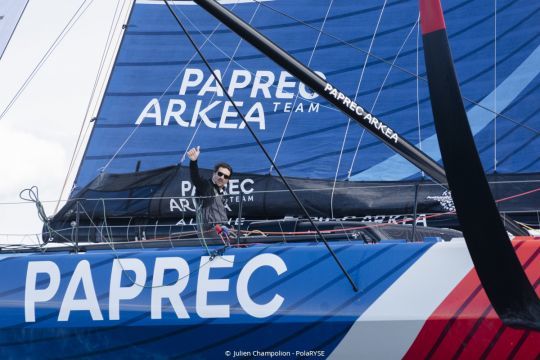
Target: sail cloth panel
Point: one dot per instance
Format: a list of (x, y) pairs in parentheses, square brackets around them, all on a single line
[(160, 98), (10, 13)]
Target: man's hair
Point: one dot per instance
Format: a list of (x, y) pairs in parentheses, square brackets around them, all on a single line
[(223, 165)]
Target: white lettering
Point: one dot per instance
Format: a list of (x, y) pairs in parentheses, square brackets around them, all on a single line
[(174, 205), (33, 295), (118, 292), (211, 85), (170, 292), (236, 83), (206, 285), (283, 84), (187, 80), (256, 115), (186, 187), (314, 107), (81, 275), (258, 84), (202, 114), (245, 300), (287, 107), (243, 187), (171, 113), (227, 113), (153, 104)]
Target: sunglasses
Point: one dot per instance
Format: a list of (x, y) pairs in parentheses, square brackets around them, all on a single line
[(225, 176)]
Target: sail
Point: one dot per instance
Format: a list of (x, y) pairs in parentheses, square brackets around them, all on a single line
[(10, 13), (161, 100)]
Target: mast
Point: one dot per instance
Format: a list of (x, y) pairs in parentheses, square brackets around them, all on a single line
[(494, 258), (328, 91)]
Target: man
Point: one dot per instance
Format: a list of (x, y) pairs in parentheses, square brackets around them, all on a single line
[(211, 191)]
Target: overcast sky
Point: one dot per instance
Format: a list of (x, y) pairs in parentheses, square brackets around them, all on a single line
[(38, 134)]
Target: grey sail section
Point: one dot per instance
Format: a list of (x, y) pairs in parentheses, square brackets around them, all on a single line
[(10, 13)]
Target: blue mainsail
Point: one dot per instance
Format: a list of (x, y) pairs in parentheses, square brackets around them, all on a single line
[(161, 99)]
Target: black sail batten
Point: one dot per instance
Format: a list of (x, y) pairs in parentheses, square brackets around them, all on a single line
[(326, 90), (494, 258)]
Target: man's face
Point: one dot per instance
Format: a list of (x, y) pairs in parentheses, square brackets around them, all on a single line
[(221, 177)]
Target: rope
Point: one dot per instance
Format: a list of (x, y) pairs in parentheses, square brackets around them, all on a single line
[(81, 136), (381, 88), (410, 73), (297, 93), (261, 146), (32, 195), (495, 89), (418, 91), (224, 72), (332, 108), (159, 98), (349, 119)]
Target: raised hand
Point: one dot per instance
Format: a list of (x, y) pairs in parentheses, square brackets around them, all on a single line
[(193, 154)]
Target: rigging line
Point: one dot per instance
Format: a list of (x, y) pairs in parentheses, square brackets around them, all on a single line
[(317, 189), (380, 91), (355, 97), (387, 62), (418, 91), (331, 108), (224, 72), (207, 39), (112, 60), (369, 49), (393, 62), (381, 88), (298, 92), (81, 136), (495, 88), (48, 53), (256, 138), (193, 57), (356, 94)]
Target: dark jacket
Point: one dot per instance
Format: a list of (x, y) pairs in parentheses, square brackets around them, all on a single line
[(213, 202)]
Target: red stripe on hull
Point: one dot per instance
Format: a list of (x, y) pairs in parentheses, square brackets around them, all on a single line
[(531, 347), (465, 325)]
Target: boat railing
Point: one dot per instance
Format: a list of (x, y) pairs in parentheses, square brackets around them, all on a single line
[(106, 220)]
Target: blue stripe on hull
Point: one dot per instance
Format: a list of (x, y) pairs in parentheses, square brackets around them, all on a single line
[(318, 309)]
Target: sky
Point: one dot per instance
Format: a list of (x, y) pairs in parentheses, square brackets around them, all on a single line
[(38, 134)]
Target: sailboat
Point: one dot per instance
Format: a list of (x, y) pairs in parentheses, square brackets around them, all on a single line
[(124, 269)]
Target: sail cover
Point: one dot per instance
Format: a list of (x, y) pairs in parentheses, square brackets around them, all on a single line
[(10, 13), (161, 99)]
